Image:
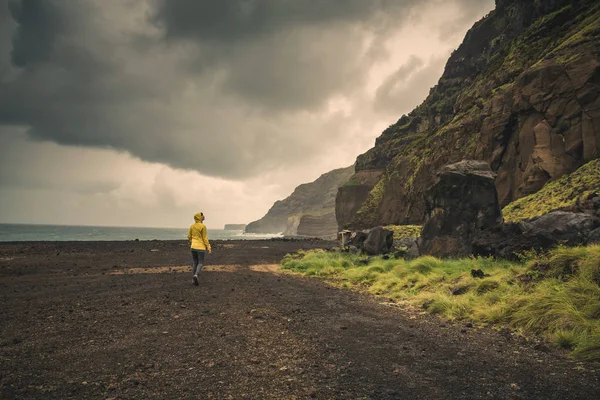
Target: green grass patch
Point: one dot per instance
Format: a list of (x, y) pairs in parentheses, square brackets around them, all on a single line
[(555, 295), (564, 192)]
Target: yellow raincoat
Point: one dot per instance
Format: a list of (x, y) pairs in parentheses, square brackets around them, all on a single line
[(197, 234)]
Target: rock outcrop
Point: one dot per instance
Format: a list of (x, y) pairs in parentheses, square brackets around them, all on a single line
[(316, 198), (540, 233), (522, 93), (463, 216), (462, 202), (323, 226)]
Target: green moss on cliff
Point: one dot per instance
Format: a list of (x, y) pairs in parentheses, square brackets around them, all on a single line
[(543, 36), (565, 192), (369, 209), (404, 231), (353, 181), (587, 29), (415, 164)]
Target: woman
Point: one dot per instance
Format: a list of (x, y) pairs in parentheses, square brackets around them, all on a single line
[(199, 243)]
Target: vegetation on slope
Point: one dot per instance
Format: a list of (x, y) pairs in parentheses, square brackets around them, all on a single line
[(564, 192), (554, 295), (447, 126)]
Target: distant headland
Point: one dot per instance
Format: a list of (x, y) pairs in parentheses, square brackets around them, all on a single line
[(235, 227)]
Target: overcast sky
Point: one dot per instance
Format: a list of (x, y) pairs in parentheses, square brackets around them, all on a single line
[(143, 112)]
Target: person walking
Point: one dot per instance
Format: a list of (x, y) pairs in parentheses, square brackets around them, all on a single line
[(199, 243)]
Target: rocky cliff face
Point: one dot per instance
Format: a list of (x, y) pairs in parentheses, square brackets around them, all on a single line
[(316, 199), (324, 226), (522, 93)]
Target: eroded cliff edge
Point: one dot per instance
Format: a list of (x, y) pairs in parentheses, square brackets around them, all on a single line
[(522, 92), (314, 201)]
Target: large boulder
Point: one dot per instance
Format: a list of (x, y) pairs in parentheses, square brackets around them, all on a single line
[(565, 227), (462, 202), (540, 233), (379, 241), (508, 241)]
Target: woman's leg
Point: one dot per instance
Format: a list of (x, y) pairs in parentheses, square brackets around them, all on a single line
[(194, 261), (200, 255)]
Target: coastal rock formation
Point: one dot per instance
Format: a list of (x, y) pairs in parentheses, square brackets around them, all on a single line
[(522, 93), (316, 198), (463, 215), (462, 201), (323, 226)]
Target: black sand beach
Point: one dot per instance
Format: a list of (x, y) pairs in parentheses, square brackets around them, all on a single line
[(121, 320)]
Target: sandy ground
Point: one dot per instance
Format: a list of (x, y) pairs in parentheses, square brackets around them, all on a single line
[(121, 320)]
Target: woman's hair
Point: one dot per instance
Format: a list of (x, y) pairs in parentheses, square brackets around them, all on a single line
[(199, 216)]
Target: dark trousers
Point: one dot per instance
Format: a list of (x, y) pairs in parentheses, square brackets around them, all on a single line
[(198, 257)]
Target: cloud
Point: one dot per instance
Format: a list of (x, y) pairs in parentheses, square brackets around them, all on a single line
[(282, 55), (247, 96), (228, 89), (42, 182), (39, 24), (411, 80)]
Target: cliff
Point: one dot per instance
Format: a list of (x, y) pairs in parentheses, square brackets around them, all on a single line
[(315, 199), (521, 93), (324, 226)]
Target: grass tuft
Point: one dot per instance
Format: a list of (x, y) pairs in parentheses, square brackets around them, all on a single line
[(555, 295)]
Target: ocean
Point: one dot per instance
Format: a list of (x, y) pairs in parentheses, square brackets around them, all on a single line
[(22, 232)]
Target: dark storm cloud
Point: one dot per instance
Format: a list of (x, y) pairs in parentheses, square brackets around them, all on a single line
[(231, 21), (282, 54), (289, 54), (227, 88), (39, 23)]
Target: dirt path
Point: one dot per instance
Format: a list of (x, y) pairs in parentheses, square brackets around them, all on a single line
[(106, 321)]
